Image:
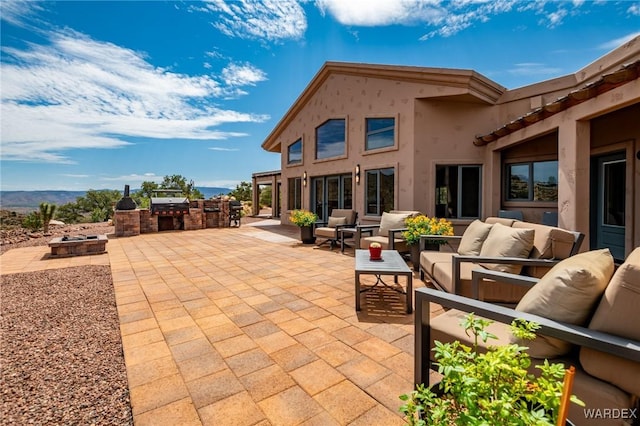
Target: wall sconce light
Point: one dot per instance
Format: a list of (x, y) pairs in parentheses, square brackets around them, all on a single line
[(304, 179), (358, 174)]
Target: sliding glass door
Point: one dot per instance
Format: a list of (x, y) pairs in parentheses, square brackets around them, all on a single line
[(331, 192)]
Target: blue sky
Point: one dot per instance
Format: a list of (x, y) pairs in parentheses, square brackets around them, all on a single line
[(97, 94)]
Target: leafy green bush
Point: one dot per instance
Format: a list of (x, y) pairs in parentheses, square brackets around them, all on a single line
[(492, 388), (33, 221), (303, 218)]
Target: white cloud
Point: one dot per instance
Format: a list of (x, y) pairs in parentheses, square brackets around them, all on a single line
[(134, 177), (368, 13), (533, 68), (16, 11), (258, 19), (80, 93), (215, 148), (242, 75), (554, 19), (634, 9), (612, 44), (219, 183), (74, 176)]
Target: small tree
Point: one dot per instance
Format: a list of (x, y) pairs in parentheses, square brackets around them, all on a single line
[(103, 200), (242, 191), (265, 196), (69, 213), (180, 182), (46, 213)]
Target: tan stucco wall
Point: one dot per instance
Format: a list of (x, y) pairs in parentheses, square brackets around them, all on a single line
[(590, 128), (438, 120), (443, 131), (357, 98)]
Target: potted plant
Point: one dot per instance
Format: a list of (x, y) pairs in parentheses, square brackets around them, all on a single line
[(424, 225), (305, 220), (488, 388), (375, 251)]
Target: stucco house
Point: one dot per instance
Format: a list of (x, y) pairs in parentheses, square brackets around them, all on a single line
[(453, 143)]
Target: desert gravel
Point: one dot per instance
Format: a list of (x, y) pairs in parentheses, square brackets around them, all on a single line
[(60, 349)]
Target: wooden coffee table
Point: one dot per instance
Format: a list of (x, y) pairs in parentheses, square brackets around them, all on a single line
[(391, 264)]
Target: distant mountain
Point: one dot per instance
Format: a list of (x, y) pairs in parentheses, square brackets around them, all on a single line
[(212, 191), (26, 200), (32, 199)]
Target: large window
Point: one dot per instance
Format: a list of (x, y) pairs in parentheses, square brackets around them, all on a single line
[(380, 133), (331, 192), (294, 152), (380, 191), (295, 194), (458, 191), (331, 139), (532, 181)]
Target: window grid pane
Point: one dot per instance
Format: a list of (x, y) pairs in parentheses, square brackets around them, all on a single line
[(458, 191), (380, 191), (518, 178), (330, 139), (380, 133), (532, 181), (294, 195), (545, 181), (372, 193), (294, 152)]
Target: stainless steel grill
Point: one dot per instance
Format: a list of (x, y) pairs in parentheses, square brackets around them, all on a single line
[(169, 206)]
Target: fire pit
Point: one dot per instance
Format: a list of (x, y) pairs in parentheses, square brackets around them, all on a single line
[(78, 245)]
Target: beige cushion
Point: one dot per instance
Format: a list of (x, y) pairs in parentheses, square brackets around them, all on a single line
[(618, 313), (325, 232), (335, 221), (429, 258), (501, 220), (446, 328), (473, 237), (503, 241), (549, 242), (351, 215), (567, 293), (391, 221), (490, 291)]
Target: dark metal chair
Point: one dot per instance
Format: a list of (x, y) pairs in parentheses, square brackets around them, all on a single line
[(511, 214), (550, 218)]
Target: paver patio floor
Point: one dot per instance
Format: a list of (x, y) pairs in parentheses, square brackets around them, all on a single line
[(247, 326)]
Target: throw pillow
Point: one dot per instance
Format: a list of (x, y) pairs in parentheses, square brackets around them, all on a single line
[(567, 293), (617, 314), (391, 221), (503, 241), (335, 221), (473, 238)]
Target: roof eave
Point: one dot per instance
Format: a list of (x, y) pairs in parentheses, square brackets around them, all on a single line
[(470, 81)]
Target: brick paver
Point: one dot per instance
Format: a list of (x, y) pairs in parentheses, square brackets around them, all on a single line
[(247, 326)]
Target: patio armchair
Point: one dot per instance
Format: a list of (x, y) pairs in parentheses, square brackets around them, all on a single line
[(388, 232), (588, 316), (330, 230), (501, 244)]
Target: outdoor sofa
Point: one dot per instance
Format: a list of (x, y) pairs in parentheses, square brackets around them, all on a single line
[(589, 319), (500, 244)]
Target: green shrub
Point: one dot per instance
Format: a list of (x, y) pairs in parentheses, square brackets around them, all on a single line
[(33, 221)]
